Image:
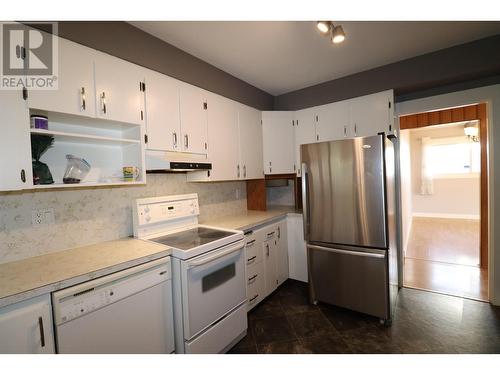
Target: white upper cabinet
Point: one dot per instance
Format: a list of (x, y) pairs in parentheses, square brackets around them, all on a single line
[(278, 141), (118, 89), (372, 114), (193, 109), (163, 124), (223, 150), (15, 152), (305, 132), (26, 327), (250, 142), (332, 121), (75, 79)]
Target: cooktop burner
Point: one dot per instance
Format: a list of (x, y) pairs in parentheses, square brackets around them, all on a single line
[(191, 238)]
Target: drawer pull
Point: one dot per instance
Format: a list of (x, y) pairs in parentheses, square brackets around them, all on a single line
[(252, 278), (252, 258), (250, 243), (42, 333), (270, 234), (253, 298)]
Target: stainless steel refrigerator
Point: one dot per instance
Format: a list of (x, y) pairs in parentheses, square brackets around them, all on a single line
[(350, 223)]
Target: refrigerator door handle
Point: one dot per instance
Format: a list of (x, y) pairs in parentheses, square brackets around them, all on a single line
[(348, 252), (305, 199)]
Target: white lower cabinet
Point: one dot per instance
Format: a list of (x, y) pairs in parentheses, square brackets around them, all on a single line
[(26, 327), (266, 260)]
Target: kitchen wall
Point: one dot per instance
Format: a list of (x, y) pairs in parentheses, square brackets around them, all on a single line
[(452, 196), (406, 185), (440, 68), (281, 196), (92, 215)]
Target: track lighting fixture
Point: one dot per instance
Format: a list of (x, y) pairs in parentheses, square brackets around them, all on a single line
[(336, 33)]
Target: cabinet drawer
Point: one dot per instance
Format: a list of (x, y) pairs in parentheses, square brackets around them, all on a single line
[(253, 250), (255, 284)]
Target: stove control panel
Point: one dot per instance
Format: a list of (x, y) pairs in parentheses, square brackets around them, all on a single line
[(162, 211)]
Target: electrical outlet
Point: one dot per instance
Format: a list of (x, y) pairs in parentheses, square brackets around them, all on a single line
[(42, 217)]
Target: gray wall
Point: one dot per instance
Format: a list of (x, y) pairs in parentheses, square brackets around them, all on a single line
[(132, 44), (470, 62)]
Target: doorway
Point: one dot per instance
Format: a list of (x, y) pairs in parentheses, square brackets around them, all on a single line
[(444, 201)]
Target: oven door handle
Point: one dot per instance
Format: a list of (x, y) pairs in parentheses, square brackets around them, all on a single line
[(238, 246)]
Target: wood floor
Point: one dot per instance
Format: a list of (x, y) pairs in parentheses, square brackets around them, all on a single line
[(443, 256)]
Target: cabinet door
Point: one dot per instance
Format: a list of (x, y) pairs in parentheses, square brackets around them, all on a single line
[(270, 266), (118, 89), (282, 252), (26, 327), (163, 125), (278, 141), (332, 121), (305, 132), (370, 114), (15, 145), (250, 142), (75, 79), (193, 108), (223, 150)]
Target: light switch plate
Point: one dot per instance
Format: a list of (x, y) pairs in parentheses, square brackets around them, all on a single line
[(42, 217)]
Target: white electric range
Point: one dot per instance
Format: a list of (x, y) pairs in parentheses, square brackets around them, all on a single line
[(208, 272)]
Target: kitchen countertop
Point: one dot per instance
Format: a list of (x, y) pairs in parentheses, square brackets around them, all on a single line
[(43, 274), (250, 218), (28, 278)]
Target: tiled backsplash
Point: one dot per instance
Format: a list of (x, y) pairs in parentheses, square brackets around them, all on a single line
[(88, 216)]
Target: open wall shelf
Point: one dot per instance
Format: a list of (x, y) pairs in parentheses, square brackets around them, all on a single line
[(107, 146)]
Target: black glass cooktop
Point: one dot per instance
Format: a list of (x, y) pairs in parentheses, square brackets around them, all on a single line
[(191, 238)]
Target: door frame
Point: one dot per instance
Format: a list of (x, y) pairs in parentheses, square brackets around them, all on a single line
[(474, 112), (491, 96)]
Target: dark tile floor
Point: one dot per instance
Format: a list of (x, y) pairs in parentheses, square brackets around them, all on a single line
[(424, 323)]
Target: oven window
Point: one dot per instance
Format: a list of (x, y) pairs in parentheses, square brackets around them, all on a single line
[(218, 277)]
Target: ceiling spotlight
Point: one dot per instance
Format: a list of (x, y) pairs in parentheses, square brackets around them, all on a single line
[(338, 34), (323, 26)]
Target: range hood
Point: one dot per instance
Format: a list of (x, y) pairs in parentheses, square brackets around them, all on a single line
[(165, 161)]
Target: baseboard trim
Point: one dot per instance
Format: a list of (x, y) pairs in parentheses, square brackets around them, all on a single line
[(446, 216)]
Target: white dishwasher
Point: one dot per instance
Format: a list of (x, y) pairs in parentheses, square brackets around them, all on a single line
[(126, 312)]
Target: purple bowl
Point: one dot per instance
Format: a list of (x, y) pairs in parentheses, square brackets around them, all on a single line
[(39, 122)]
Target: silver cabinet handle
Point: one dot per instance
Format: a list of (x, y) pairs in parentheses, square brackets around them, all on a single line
[(251, 259), (345, 131), (103, 102), (83, 104), (42, 333), (174, 135), (355, 130), (250, 243), (279, 232), (238, 168), (267, 247), (270, 234), (253, 298), (244, 171), (186, 141), (305, 197), (252, 278)]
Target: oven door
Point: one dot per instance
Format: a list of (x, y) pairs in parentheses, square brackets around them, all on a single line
[(213, 284)]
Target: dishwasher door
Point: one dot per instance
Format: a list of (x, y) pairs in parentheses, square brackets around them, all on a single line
[(126, 312)]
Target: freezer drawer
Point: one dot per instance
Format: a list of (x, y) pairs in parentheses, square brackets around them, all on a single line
[(350, 279)]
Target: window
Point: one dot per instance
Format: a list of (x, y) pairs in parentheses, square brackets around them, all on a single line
[(457, 156)]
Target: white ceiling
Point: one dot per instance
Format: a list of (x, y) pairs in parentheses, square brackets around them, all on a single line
[(283, 56)]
